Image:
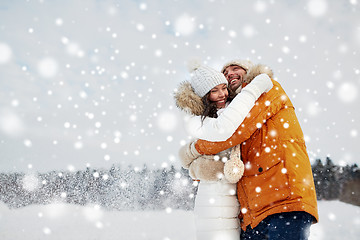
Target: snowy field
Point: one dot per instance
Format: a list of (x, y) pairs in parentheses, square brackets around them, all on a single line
[(60, 221)]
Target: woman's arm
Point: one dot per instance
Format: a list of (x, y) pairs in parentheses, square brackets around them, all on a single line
[(221, 128), (267, 106)]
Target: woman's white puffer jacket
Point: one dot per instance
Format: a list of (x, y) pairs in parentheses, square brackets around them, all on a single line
[(216, 211)]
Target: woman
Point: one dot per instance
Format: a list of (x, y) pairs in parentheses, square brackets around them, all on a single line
[(206, 95)]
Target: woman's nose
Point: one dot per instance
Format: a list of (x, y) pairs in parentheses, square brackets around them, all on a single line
[(222, 93)]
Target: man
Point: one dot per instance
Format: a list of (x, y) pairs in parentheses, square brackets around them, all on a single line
[(276, 193), (234, 72)]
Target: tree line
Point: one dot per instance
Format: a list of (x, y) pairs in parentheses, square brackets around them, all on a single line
[(334, 182), (148, 189)]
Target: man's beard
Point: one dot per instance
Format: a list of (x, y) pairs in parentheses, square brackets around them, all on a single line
[(237, 87)]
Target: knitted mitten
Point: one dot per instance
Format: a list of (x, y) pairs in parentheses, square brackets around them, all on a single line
[(188, 154), (207, 168), (234, 167)]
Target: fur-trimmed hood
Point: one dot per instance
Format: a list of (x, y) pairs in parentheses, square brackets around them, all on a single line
[(188, 101), (257, 70)]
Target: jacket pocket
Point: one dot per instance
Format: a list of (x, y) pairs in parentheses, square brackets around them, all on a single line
[(267, 188)]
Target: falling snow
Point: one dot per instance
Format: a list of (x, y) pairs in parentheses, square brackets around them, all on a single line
[(5, 53), (348, 92), (185, 25), (91, 85), (82, 84), (30, 182), (48, 67)]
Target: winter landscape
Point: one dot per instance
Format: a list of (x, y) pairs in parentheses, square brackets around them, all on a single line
[(89, 131), (63, 221)]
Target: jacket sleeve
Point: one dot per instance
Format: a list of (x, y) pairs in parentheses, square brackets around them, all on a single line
[(221, 128), (266, 107)]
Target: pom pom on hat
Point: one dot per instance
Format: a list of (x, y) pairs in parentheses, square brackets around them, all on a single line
[(193, 64), (204, 78)]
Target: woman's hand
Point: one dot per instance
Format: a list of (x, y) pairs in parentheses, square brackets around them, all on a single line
[(188, 154)]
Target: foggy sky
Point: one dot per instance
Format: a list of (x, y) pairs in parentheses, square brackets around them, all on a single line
[(90, 83)]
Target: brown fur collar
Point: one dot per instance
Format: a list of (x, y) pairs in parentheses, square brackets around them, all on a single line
[(188, 101), (257, 70)]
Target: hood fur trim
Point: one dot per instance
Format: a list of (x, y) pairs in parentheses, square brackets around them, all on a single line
[(187, 100), (257, 70)]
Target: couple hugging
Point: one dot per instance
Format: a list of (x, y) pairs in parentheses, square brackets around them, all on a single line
[(249, 159)]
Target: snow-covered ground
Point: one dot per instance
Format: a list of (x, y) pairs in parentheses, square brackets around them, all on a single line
[(61, 221)]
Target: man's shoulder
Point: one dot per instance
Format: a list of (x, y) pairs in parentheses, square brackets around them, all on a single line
[(277, 86), (275, 82), (277, 92)]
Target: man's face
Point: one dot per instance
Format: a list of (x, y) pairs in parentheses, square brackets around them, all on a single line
[(234, 74)]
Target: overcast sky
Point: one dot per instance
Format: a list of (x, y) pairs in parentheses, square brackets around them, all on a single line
[(90, 83)]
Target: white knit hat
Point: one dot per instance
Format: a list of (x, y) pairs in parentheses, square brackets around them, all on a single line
[(204, 78), (245, 64)]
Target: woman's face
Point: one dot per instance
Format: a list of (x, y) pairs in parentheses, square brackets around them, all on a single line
[(219, 95)]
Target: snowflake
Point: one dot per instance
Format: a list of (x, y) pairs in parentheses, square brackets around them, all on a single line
[(317, 8), (248, 31), (30, 182), (347, 92), (185, 25), (10, 123), (260, 6), (5, 53), (46, 231), (167, 121)]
